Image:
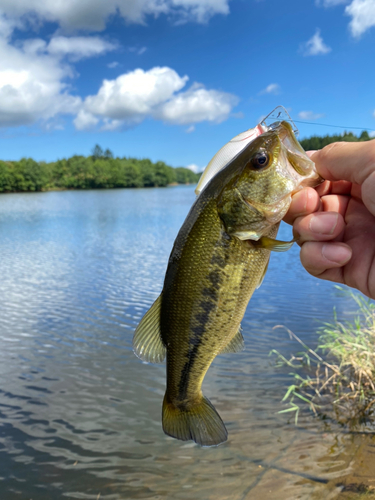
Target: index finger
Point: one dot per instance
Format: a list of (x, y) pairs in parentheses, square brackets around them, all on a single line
[(350, 161), (303, 203)]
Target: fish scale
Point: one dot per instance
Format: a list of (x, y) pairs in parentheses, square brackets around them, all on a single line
[(201, 311)]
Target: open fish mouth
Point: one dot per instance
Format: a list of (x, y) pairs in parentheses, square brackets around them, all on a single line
[(268, 208), (314, 181)]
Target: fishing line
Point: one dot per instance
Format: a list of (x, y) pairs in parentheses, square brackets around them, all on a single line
[(335, 126), (280, 113)]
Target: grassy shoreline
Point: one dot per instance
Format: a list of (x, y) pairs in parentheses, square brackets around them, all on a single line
[(337, 379)]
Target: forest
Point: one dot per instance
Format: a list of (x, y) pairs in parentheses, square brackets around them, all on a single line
[(318, 142), (101, 170), (98, 171)]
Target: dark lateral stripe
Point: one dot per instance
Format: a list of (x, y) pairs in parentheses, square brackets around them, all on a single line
[(186, 371), (195, 340)]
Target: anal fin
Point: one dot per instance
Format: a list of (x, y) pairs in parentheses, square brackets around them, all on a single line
[(263, 275), (237, 343), (147, 342)]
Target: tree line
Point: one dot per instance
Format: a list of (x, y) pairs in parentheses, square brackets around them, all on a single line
[(317, 142), (100, 170)]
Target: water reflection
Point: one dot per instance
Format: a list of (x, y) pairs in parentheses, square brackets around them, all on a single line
[(80, 415)]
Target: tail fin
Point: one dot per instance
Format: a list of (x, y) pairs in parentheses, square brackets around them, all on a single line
[(201, 423)]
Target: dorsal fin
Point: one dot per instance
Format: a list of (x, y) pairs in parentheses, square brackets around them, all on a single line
[(147, 342)]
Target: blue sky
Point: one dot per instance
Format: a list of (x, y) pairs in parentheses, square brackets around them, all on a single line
[(174, 80)]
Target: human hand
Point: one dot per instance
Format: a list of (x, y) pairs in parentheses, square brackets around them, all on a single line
[(335, 222)]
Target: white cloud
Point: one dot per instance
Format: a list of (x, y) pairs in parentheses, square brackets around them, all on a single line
[(309, 115), (137, 50), (113, 64), (79, 47), (7, 26), (111, 124), (315, 45), (33, 76), (362, 13), (134, 96), (196, 105), (92, 14), (199, 10), (32, 83), (372, 134), (85, 121), (363, 16), (34, 73), (190, 129), (194, 168), (272, 88)]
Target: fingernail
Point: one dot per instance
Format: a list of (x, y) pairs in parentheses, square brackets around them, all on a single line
[(339, 254), (323, 223), (311, 152)]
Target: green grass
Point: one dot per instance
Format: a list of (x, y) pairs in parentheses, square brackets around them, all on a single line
[(337, 380)]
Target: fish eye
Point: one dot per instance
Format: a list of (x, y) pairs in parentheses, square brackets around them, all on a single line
[(260, 160)]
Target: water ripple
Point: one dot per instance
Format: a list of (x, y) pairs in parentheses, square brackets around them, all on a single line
[(80, 414)]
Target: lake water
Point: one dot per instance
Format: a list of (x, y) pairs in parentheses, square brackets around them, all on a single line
[(80, 415)]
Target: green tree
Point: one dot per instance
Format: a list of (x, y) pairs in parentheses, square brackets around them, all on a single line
[(132, 176), (364, 136), (147, 173), (6, 178), (186, 176), (97, 152), (164, 175), (28, 175), (319, 142)]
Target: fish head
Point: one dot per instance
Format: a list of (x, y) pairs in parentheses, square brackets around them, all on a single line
[(265, 175)]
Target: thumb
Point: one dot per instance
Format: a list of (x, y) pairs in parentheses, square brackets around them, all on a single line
[(350, 161)]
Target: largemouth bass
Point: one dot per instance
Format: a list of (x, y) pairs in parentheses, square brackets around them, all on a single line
[(219, 258)]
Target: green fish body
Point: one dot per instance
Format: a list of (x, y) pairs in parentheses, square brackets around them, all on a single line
[(219, 258)]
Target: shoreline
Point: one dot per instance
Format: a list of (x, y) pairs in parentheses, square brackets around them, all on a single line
[(54, 189)]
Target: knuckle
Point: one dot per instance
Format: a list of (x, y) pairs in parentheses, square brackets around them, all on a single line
[(327, 150)]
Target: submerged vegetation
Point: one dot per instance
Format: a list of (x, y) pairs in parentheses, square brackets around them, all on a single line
[(100, 170), (337, 380)]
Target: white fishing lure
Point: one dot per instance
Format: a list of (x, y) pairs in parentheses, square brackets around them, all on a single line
[(226, 153)]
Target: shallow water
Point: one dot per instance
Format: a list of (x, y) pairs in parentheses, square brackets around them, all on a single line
[(80, 415)]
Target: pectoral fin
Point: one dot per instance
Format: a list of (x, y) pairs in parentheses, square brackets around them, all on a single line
[(264, 241), (147, 342), (237, 343), (274, 245)]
